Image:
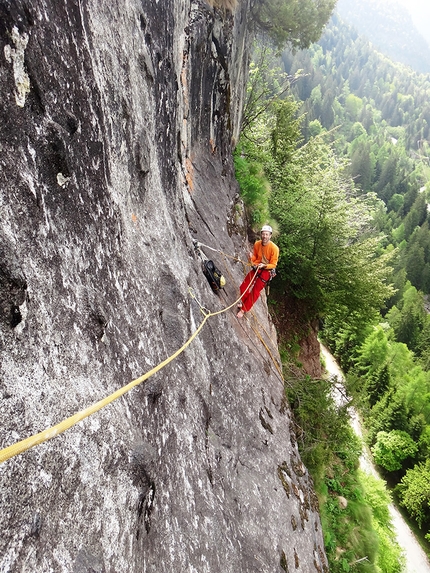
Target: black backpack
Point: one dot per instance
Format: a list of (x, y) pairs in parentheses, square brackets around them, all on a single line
[(214, 275)]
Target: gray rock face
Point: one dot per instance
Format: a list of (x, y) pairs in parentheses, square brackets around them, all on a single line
[(117, 122)]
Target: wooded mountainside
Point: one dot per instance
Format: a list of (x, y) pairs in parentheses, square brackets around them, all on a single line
[(376, 113), (391, 29), (341, 159), (381, 112)]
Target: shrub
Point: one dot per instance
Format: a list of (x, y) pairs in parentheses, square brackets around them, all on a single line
[(392, 448)]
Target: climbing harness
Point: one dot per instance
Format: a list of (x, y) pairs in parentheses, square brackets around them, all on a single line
[(272, 273), (266, 282)]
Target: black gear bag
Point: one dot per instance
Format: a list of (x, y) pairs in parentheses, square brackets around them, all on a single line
[(214, 275)]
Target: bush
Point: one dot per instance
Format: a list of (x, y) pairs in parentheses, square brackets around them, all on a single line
[(389, 557), (254, 188), (414, 493), (392, 448), (356, 536)]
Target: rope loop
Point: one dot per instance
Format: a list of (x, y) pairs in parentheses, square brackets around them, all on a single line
[(205, 311)]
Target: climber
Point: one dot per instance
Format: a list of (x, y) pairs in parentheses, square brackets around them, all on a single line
[(264, 259)]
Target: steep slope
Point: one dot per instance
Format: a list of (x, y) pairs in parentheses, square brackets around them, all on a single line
[(390, 28), (117, 127), (420, 14)]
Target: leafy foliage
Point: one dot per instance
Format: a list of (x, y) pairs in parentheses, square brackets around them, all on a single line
[(296, 22), (408, 318), (267, 82), (392, 448), (414, 491), (331, 451), (254, 187), (322, 427), (328, 253), (381, 114), (389, 556)]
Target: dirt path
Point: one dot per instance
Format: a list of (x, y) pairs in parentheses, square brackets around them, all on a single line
[(416, 559)]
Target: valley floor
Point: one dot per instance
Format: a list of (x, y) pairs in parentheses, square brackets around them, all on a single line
[(416, 559)]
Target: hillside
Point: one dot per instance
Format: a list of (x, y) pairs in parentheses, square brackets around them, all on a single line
[(420, 13), (391, 29), (374, 113)]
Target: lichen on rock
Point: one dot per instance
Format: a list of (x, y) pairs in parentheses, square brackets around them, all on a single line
[(15, 56)]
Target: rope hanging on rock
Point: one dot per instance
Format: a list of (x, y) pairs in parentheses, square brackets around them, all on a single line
[(45, 435)]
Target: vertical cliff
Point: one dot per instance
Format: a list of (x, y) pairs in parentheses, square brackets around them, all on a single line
[(117, 124)]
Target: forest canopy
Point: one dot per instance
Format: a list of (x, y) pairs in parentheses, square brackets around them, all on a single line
[(376, 113), (339, 165)]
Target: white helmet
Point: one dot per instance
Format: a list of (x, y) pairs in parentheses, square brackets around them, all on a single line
[(266, 228)]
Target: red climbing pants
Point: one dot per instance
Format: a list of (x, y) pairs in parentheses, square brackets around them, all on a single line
[(252, 294)]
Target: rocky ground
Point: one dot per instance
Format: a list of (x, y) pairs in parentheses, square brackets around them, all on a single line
[(117, 125)]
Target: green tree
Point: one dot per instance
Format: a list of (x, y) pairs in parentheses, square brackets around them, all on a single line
[(415, 263), (327, 111), (395, 203), (423, 346), (415, 392), (284, 141), (388, 413), (385, 184), (295, 22), (253, 185), (377, 384), (361, 165), (315, 128), (316, 101), (267, 83), (389, 557), (392, 448), (374, 352), (327, 257), (414, 493), (424, 443), (353, 105), (408, 317), (416, 215)]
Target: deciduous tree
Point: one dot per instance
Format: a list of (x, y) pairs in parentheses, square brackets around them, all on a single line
[(294, 22), (392, 448), (414, 491), (328, 254)]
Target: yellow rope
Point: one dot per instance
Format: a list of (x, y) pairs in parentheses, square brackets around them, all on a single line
[(257, 334), (277, 366), (28, 443), (46, 435)]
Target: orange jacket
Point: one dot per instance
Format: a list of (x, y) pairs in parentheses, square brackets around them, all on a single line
[(267, 255)]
